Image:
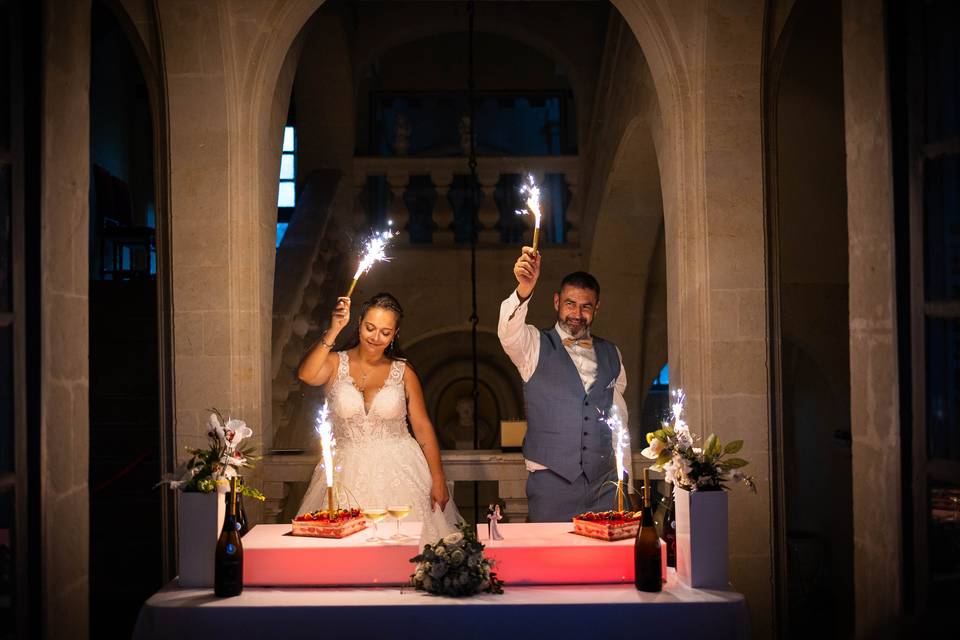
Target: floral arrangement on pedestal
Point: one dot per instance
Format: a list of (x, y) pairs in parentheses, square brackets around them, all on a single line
[(694, 468), (455, 566), (210, 469)]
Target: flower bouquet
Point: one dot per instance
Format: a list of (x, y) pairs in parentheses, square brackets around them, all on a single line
[(455, 566), (693, 468), (210, 469), (699, 475), (200, 481)]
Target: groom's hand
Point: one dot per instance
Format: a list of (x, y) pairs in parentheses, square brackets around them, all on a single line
[(527, 272)]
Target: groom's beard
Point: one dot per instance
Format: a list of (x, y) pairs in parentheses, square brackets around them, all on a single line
[(577, 329)]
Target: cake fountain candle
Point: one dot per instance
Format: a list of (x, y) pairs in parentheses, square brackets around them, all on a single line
[(328, 449)]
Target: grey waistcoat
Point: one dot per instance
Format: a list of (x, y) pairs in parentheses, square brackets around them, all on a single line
[(564, 430)]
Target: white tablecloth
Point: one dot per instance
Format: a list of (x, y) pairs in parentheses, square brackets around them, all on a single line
[(586, 612)]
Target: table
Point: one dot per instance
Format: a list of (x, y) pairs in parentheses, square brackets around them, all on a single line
[(595, 611)]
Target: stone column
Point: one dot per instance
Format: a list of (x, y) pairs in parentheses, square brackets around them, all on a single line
[(572, 214), (874, 393), (64, 383)]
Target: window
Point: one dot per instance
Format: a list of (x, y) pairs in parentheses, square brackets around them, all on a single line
[(287, 194), (663, 378)]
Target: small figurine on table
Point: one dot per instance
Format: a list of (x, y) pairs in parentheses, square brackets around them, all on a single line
[(493, 515)]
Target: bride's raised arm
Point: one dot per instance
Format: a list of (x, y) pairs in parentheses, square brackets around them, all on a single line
[(426, 437), (317, 367)]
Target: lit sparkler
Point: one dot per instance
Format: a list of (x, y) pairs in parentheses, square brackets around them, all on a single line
[(328, 445), (532, 190), (621, 440), (374, 251)]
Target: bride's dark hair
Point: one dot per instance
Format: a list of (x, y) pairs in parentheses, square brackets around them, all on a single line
[(379, 301)]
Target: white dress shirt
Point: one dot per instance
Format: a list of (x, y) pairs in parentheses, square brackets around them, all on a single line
[(521, 342)]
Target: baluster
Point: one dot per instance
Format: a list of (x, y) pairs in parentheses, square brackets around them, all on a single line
[(571, 234), (442, 210), (489, 213), (397, 210)]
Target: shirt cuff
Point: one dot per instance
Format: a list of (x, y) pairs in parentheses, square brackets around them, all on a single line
[(517, 302)]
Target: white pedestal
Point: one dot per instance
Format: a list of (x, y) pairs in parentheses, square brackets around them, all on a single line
[(546, 553), (702, 538), (200, 521)]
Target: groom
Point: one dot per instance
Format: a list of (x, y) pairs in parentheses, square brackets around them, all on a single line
[(569, 376)]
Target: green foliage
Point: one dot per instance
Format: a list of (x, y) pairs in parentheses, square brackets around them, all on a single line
[(733, 447)]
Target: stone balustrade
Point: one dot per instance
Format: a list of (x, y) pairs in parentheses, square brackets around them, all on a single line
[(505, 468), (493, 217)]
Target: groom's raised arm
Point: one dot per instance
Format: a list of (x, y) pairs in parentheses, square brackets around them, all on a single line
[(521, 341)]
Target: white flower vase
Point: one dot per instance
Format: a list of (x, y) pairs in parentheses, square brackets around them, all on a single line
[(702, 559), (201, 518)]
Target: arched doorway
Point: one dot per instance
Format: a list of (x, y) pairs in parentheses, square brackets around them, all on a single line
[(127, 394)]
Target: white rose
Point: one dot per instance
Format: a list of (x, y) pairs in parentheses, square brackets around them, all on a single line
[(453, 538), (654, 449)]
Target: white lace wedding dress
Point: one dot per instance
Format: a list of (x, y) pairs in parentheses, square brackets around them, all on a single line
[(378, 463)]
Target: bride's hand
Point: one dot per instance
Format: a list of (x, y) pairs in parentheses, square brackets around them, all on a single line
[(340, 316), (439, 495)]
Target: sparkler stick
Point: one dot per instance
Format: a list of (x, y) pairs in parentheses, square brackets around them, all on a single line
[(328, 449), (373, 251), (621, 439), (532, 191)]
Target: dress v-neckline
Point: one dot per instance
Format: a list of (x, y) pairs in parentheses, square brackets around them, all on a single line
[(363, 396)]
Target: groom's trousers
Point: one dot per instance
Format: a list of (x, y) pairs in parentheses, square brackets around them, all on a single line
[(551, 498)]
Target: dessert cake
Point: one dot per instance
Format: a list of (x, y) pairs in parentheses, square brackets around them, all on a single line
[(321, 524), (607, 525)]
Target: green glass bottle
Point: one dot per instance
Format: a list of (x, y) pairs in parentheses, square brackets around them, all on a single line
[(646, 547), (228, 568)]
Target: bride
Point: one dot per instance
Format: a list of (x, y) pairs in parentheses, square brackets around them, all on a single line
[(371, 392)]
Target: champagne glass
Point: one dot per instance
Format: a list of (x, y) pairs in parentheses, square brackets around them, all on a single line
[(375, 515), (399, 511)]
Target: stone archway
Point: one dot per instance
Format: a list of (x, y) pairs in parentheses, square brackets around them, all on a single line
[(442, 360), (705, 63), (629, 222)]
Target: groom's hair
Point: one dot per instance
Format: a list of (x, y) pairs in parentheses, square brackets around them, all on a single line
[(581, 280)]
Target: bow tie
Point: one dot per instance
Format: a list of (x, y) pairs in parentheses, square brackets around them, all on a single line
[(583, 342)]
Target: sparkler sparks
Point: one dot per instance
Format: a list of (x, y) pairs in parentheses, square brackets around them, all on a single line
[(374, 251), (328, 443), (532, 190)]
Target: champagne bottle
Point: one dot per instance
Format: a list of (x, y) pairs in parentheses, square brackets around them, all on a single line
[(242, 524), (666, 521), (646, 548), (228, 568)]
